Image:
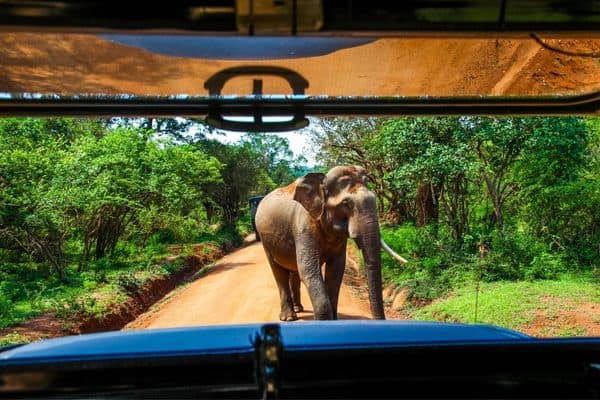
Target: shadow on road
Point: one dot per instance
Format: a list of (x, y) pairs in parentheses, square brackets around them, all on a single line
[(219, 268), (307, 315)]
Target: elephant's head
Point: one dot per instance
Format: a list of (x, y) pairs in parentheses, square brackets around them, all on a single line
[(345, 207)]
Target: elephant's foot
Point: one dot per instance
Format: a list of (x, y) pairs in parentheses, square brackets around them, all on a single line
[(298, 308), (288, 316)]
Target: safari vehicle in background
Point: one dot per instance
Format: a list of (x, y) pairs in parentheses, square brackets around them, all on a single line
[(277, 49), (253, 203)]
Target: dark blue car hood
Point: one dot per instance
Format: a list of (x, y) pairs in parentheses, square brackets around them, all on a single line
[(230, 339)]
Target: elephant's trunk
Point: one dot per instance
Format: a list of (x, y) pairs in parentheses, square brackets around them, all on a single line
[(369, 242)]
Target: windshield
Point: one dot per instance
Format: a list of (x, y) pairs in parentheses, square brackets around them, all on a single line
[(125, 222), (496, 220)]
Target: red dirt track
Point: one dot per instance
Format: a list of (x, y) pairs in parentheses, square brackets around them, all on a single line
[(240, 288)]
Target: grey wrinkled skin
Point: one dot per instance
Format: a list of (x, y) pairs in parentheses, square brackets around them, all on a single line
[(307, 224)]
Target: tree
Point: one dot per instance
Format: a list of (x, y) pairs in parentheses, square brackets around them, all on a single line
[(181, 130), (429, 160), (30, 151), (498, 142), (275, 156), (558, 179), (106, 182), (241, 175)]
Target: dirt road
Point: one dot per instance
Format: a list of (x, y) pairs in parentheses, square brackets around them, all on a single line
[(239, 289)]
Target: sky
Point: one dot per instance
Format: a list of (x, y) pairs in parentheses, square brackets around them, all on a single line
[(298, 142)]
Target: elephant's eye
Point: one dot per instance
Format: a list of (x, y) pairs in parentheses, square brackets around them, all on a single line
[(345, 182), (348, 203)]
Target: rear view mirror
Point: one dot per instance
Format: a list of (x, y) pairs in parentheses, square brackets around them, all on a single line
[(278, 16)]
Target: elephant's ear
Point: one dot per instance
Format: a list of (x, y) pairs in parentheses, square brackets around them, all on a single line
[(361, 172), (309, 193)]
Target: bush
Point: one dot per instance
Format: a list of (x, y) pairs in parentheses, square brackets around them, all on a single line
[(545, 266), (6, 308), (244, 224), (13, 338), (515, 255), (93, 304), (434, 265), (128, 282), (497, 267), (437, 266), (11, 289)]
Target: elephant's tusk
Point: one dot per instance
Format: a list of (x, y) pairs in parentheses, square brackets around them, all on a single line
[(392, 253)]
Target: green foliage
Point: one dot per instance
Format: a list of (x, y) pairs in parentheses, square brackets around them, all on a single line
[(13, 338), (30, 289), (545, 266), (223, 235), (87, 207), (254, 166), (128, 282), (244, 225), (436, 266), (124, 179), (423, 150), (64, 178), (276, 158), (241, 175), (506, 198), (433, 268)]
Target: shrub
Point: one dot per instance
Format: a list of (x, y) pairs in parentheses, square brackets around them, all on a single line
[(128, 282), (6, 308), (13, 338), (545, 266)]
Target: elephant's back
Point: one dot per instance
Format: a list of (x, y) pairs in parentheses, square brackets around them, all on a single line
[(276, 218), (275, 210)]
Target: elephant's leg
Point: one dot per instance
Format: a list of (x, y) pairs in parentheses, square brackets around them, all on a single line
[(334, 273), (295, 288), (309, 269), (282, 278)]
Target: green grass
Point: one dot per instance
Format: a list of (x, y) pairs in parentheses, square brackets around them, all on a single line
[(28, 289), (13, 338), (87, 293), (224, 235), (512, 304), (524, 284)]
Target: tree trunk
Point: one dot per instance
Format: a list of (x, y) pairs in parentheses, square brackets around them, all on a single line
[(230, 214), (496, 199), (426, 204), (453, 199), (210, 212)]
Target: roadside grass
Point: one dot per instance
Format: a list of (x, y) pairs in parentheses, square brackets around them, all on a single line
[(87, 293), (28, 289), (13, 338), (523, 284), (514, 305)]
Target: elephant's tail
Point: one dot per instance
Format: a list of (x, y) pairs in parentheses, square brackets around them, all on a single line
[(392, 253)]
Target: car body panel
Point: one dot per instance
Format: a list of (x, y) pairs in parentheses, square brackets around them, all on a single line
[(239, 339)]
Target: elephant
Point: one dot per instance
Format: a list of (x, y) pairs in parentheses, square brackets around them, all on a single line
[(307, 224)]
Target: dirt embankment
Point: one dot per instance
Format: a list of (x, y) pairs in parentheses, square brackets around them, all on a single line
[(49, 325)]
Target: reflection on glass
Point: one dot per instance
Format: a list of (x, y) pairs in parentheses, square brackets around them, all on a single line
[(173, 65)]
